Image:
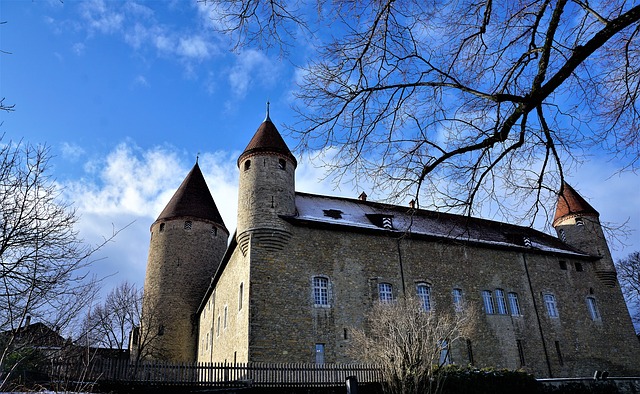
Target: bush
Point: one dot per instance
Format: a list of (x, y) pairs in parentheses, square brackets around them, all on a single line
[(468, 380)]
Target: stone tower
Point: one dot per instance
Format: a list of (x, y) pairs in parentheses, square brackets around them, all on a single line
[(578, 224), (188, 241), (266, 189)]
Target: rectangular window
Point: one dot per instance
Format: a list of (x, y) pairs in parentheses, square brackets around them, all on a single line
[(559, 353), (445, 357), (514, 304), (500, 301), (424, 295), (385, 292), (320, 291), (579, 267), (593, 308), (521, 352), (225, 316), (487, 299), (240, 295), (456, 295), (550, 304), (218, 330), (470, 352), (319, 353)]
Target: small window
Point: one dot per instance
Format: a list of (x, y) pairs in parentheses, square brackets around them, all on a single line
[(161, 330), (445, 356), (225, 317), (563, 265), (282, 164), (579, 221), (218, 328), (470, 352), (333, 213), (206, 345), (161, 227), (514, 304), (456, 295), (319, 353), (214, 230), (500, 302), (559, 353), (385, 292), (240, 295), (563, 235), (346, 334), (187, 225), (247, 165), (487, 300), (521, 352), (550, 304), (424, 295), (579, 267), (593, 308), (320, 291)]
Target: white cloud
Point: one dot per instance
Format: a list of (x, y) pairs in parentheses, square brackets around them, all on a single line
[(195, 47), (252, 67), (71, 151), (78, 48), (99, 17)]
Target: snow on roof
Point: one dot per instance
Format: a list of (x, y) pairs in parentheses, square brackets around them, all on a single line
[(356, 215)]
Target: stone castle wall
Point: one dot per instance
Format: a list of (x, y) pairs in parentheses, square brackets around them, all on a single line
[(285, 325)]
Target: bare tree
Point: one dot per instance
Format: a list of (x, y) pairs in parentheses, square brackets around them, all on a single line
[(462, 103), (629, 277), (110, 324), (409, 344), (43, 263)]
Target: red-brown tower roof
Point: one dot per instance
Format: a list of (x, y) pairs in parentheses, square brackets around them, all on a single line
[(192, 199), (572, 203), (267, 139)]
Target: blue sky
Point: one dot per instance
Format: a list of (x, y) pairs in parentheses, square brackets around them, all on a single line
[(126, 94)]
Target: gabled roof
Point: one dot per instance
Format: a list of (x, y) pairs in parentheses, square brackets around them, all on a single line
[(192, 199), (572, 203), (355, 215), (267, 139)]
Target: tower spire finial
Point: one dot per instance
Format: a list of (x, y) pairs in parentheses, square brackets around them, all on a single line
[(267, 118)]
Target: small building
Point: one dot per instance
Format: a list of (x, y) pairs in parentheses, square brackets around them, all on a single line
[(302, 269)]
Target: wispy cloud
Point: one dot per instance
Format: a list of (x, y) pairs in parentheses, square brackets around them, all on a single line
[(252, 68)]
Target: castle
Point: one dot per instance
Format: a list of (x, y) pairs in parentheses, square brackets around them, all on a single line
[(301, 269)]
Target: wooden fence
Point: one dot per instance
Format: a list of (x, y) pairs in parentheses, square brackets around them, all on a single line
[(218, 374)]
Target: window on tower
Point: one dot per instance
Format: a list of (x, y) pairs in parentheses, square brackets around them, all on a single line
[(282, 164), (247, 165), (187, 225)]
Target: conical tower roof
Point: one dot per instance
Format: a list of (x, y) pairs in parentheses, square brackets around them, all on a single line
[(192, 199), (267, 139), (572, 203)]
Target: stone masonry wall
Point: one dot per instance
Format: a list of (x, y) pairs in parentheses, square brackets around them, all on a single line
[(182, 260), (285, 325)]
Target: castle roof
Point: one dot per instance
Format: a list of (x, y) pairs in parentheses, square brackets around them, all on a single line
[(192, 199), (572, 203), (365, 216), (267, 139)]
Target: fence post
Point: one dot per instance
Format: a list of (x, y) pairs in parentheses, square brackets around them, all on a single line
[(352, 385)]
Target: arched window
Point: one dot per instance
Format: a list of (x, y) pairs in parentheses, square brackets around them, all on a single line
[(487, 300), (501, 302), (593, 308), (424, 295), (550, 304), (514, 304), (456, 296), (247, 165)]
